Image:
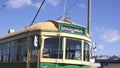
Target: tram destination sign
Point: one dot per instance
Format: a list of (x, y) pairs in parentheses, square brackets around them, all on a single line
[(71, 28)]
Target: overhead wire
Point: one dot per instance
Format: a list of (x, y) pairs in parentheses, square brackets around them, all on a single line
[(72, 5), (64, 10)]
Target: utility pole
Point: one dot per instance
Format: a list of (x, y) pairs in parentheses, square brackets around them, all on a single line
[(89, 17)]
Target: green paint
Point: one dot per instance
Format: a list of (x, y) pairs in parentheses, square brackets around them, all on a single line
[(61, 65), (13, 65), (42, 65)]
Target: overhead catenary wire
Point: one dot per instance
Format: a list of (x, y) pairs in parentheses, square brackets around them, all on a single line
[(66, 12), (37, 13), (66, 17), (72, 5)]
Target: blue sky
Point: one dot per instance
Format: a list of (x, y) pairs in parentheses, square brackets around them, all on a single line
[(105, 27)]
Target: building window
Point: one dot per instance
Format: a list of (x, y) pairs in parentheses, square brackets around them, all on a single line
[(73, 49), (53, 48)]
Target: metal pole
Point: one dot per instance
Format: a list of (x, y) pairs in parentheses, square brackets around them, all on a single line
[(89, 16)]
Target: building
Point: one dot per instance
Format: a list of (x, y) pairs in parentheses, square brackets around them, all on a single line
[(112, 62)]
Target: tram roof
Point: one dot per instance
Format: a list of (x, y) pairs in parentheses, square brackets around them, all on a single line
[(47, 25)]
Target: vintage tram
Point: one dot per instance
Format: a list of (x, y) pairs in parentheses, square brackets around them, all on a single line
[(48, 44)]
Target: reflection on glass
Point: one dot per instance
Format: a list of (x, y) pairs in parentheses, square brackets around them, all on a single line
[(73, 49), (53, 48), (13, 52)]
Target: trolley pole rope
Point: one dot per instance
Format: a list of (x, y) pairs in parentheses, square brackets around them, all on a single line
[(37, 13)]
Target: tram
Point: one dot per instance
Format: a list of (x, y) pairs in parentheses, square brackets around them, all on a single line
[(48, 44)]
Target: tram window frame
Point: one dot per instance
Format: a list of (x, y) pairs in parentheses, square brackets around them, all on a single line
[(49, 49), (86, 51), (71, 49)]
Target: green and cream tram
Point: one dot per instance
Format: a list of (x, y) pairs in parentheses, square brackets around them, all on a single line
[(49, 44)]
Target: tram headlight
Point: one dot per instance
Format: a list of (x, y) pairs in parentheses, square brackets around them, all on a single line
[(36, 41)]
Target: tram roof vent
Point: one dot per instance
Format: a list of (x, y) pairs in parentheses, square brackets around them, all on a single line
[(11, 30)]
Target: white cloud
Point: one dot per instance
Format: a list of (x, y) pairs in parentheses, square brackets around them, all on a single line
[(18, 3), (82, 5), (21, 3), (37, 5), (100, 47), (110, 35), (53, 2)]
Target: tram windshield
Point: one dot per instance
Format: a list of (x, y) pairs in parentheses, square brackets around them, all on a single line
[(52, 48), (73, 49)]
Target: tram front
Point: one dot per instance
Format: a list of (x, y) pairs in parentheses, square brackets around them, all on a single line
[(66, 45)]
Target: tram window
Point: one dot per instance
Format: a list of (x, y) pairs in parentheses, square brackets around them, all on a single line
[(18, 53), (22, 40), (73, 49), (0, 52), (53, 48), (13, 54), (0, 55), (21, 53), (34, 54), (0, 46), (5, 45), (5, 55), (15, 42), (86, 51), (21, 49), (23, 56), (5, 58)]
